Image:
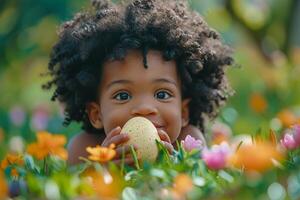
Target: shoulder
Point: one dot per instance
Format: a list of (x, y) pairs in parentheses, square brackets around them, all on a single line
[(78, 144)]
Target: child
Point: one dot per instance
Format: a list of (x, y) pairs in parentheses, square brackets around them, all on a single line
[(150, 58)]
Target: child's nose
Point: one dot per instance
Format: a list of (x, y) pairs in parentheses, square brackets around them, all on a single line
[(144, 109)]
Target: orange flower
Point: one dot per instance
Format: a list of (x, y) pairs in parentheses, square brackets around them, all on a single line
[(258, 103), (3, 187), (106, 185), (48, 144), (12, 159), (14, 172), (257, 157), (287, 118), (182, 185), (101, 154)]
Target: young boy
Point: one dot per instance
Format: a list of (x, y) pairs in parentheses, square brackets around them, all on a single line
[(150, 58)]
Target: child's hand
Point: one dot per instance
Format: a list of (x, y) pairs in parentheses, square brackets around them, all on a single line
[(165, 139), (115, 137)]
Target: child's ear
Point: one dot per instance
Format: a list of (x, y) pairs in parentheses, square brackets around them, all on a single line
[(185, 112), (93, 111)]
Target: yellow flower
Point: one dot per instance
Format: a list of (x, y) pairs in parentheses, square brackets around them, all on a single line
[(182, 185), (258, 103), (261, 157), (101, 154), (48, 144), (3, 186), (12, 159)]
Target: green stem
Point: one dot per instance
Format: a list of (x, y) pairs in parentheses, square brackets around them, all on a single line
[(136, 162), (46, 170), (123, 162)]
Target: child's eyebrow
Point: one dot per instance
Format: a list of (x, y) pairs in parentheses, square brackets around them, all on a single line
[(118, 82), (122, 81), (164, 80)]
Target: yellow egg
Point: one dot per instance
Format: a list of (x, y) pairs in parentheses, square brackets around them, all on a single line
[(142, 133)]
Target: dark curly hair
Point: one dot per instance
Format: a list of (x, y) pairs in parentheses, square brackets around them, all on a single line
[(108, 30)]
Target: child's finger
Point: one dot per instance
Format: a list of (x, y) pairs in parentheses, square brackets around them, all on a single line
[(117, 140), (164, 136), (169, 146), (113, 132)]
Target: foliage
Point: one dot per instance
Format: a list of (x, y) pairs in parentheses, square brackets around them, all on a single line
[(271, 170)]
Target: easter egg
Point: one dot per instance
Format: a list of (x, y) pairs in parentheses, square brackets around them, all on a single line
[(142, 133)]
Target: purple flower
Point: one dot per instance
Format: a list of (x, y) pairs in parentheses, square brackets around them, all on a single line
[(216, 157), (288, 141), (190, 143), (17, 116)]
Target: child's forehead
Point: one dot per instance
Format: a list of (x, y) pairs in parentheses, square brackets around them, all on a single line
[(132, 67)]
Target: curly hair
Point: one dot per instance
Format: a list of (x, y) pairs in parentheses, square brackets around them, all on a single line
[(108, 30)]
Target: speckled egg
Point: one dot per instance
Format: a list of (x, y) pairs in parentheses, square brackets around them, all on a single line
[(143, 134)]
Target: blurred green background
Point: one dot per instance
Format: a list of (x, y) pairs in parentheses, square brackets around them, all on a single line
[(263, 33)]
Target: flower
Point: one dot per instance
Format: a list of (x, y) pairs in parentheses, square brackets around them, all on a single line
[(17, 115), (258, 156), (216, 157), (106, 185), (12, 159), (48, 144), (287, 118), (220, 132), (16, 144), (3, 187), (101, 154), (182, 185), (258, 103), (40, 118), (190, 143), (288, 141)]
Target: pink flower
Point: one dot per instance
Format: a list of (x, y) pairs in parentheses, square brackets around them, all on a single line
[(288, 141), (296, 134), (190, 143), (40, 118), (216, 157)]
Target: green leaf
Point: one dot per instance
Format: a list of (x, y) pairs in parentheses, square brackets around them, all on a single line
[(163, 154), (136, 162), (158, 173), (226, 176), (31, 165), (129, 193)]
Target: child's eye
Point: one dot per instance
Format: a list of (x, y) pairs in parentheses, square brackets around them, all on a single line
[(162, 95), (122, 96)]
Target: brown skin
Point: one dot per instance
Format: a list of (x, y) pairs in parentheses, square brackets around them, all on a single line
[(127, 90)]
